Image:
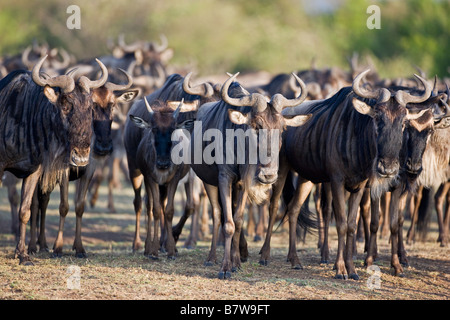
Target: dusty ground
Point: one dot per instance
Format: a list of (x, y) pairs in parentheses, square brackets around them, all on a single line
[(112, 271)]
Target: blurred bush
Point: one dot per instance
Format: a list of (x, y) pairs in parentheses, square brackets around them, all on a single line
[(219, 36)]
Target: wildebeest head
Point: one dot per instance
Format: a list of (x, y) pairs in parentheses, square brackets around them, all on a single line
[(74, 100), (267, 122), (389, 112), (418, 131), (104, 100), (163, 122)]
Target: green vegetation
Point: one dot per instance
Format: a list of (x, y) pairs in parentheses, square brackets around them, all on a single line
[(219, 36)]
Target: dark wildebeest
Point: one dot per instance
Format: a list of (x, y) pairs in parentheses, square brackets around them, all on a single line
[(149, 155), (104, 100), (46, 127), (152, 158), (234, 171), (436, 171), (353, 138), (416, 138)]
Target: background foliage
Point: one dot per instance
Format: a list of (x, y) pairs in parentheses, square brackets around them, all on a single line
[(231, 35)]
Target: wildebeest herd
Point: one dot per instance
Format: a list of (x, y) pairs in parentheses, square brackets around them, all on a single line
[(351, 139)]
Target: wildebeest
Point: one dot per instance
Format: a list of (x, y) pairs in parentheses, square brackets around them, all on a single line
[(149, 158), (46, 127), (353, 139), (104, 100), (232, 176)]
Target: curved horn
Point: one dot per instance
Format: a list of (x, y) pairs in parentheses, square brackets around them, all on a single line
[(163, 46), (204, 89), (88, 84), (25, 57), (403, 97), (66, 83), (254, 100), (128, 47), (65, 60), (279, 102), (117, 87), (149, 108), (357, 87)]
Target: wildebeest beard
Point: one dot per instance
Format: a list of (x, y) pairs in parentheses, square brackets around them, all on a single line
[(258, 192)]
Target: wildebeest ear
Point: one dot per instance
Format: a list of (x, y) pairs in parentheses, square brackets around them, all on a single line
[(238, 117), (442, 124), (363, 107), (139, 122), (51, 95), (128, 96), (297, 121)]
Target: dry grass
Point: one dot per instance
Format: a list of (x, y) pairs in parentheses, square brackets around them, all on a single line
[(112, 271)]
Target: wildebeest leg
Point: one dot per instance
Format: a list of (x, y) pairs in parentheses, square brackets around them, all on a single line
[(365, 217), (63, 210), (326, 202), (321, 223), (337, 188), (213, 195), (277, 190), (225, 194), (440, 198), (239, 244), (14, 201), (168, 217), (394, 212), (32, 246), (401, 245), (412, 228), (28, 187), (149, 213), (261, 223), (136, 182), (157, 216), (192, 208), (445, 231), (385, 201), (374, 225), (80, 198), (301, 193), (251, 208), (353, 205)]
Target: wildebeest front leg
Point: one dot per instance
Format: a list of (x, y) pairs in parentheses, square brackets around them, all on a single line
[(238, 219), (28, 187), (394, 223), (136, 182), (63, 210), (337, 189), (32, 244), (302, 191), (374, 225), (157, 215), (277, 190), (228, 227), (80, 198), (213, 196), (327, 210), (353, 204), (168, 217)]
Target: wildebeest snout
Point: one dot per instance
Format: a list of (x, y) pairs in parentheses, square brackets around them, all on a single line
[(79, 157), (387, 168)]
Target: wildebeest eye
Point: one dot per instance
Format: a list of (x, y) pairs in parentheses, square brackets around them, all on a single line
[(66, 107)]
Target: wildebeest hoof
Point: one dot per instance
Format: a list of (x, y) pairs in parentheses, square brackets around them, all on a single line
[(153, 257), (257, 238), (353, 276), (208, 263), (235, 269), (25, 261), (56, 255), (171, 257), (224, 275), (81, 255), (297, 267), (264, 262), (323, 262)]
